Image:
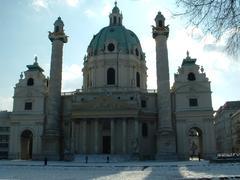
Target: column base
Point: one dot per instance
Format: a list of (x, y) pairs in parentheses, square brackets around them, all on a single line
[(135, 156), (167, 157), (166, 146), (208, 156), (51, 146)]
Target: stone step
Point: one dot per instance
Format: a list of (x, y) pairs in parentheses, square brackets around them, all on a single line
[(101, 158)]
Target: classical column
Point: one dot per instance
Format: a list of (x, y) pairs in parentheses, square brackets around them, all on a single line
[(51, 135), (78, 136), (136, 127), (135, 141), (96, 135), (84, 142), (112, 136), (124, 135), (166, 144), (72, 137)]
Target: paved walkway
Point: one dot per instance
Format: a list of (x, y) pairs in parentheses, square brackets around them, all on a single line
[(103, 164)]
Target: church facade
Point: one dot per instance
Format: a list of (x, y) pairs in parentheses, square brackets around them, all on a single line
[(114, 112)]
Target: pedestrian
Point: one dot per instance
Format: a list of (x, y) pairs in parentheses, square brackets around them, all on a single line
[(86, 159), (45, 161), (199, 156)]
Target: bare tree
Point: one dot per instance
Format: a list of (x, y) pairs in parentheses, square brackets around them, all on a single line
[(221, 18)]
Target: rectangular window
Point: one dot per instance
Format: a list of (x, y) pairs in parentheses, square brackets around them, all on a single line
[(193, 102), (4, 138), (4, 129), (3, 145), (28, 106), (144, 130), (143, 103)]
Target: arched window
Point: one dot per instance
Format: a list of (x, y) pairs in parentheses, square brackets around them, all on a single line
[(191, 77), (138, 79), (144, 130), (110, 76), (30, 82), (136, 52)]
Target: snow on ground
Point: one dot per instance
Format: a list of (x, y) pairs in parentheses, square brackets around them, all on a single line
[(35, 170)]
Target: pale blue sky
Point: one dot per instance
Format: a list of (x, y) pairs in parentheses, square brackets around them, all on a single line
[(24, 34)]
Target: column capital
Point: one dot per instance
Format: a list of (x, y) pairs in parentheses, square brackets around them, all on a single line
[(53, 36), (160, 31)]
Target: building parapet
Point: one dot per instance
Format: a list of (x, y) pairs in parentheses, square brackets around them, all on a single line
[(71, 93)]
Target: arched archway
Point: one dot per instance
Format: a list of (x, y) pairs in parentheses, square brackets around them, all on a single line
[(195, 142), (26, 144)]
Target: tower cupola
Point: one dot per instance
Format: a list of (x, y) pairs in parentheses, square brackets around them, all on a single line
[(160, 20), (160, 28), (115, 17), (58, 33), (58, 25)]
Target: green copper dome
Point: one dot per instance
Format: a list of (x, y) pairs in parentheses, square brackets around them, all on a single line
[(115, 38)]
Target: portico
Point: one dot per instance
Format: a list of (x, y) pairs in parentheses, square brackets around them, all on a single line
[(104, 135)]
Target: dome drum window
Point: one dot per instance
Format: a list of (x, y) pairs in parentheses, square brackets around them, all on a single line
[(136, 52), (110, 76), (138, 79)]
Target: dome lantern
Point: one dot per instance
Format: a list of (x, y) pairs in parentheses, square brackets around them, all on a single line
[(115, 17)]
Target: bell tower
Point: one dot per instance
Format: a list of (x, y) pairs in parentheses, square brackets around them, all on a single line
[(166, 142), (51, 137)]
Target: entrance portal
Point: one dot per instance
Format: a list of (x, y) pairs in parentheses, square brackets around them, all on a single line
[(26, 144), (106, 144), (195, 142)]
